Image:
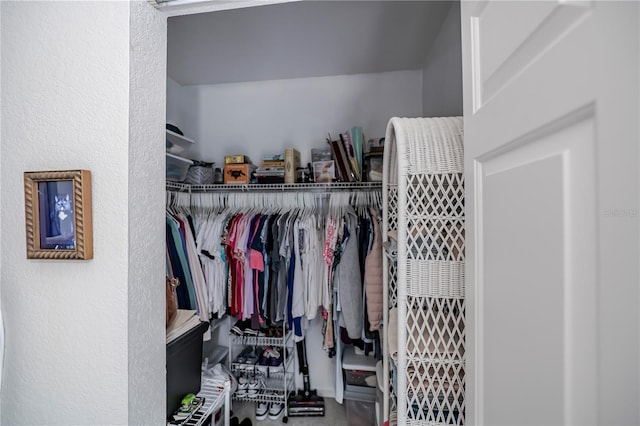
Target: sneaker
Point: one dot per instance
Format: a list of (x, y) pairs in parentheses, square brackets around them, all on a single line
[(274, 353), (265, 356), (250, 331), (238, 328), (243, 386), (243, 355), (275, 410), (275, 362), (275, 332), (253, 387), (261, 411), (251, 358)]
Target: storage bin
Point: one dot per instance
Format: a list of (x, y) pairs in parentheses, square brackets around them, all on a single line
[(200, 174), (177, 167), (360, 413), (184, 365), (359, 370), (379, 394), (177, 143)]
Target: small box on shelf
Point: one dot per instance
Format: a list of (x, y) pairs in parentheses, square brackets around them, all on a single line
[(238, 173), (324, 171)]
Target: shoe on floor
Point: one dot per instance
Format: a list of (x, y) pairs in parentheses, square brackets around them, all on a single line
[(246, 422), (275, 410), (262, 409)]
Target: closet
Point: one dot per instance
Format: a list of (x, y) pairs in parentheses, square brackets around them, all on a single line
[(255, 81), (275, 257)]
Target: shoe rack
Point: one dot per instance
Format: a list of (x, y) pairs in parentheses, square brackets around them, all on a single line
[(262, 362)]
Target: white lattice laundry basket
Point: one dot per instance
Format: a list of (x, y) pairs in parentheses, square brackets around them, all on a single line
[(423, 222)]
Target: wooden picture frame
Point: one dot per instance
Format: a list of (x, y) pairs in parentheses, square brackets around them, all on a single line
[(58, 214)]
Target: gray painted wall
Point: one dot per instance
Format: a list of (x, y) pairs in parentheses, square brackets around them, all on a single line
[(442, 72)]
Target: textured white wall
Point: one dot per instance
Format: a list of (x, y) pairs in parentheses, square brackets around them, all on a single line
[(259, 118), (181, 107), (442, 72), (65, 96), (146, 310)]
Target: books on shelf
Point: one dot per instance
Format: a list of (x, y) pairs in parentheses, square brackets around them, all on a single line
[(346, 140), (345, 153), (357, 139), (291, 164), (341, 172), (274, 157)]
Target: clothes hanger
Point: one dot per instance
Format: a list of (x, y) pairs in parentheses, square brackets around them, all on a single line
[(168, 200)]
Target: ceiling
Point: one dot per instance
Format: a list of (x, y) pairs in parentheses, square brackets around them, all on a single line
[(302, 39)]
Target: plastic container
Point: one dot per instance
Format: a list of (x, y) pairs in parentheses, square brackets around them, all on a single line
[(379, 394), (360, 413), (184, 365), (177, 167), (359, 370), (177, 143)]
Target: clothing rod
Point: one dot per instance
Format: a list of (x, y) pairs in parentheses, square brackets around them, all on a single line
[(275, 187)]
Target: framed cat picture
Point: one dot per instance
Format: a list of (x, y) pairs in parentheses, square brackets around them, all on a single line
[(58, 214)]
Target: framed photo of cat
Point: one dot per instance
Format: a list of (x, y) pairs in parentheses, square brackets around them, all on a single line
[(58, 214)]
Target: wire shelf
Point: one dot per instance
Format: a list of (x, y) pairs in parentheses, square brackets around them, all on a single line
[(316, 187), (261, 340), (273, 391), (216, 394)]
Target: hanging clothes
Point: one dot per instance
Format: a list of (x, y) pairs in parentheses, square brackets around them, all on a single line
[(186, 265), (274, 261), (350, 281), (373, 276)]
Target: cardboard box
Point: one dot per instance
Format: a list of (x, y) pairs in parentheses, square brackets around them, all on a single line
[(236, 159), (238, 173)]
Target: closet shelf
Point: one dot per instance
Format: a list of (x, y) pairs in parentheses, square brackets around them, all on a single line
[(272, 392), (263, 371), (261, 341), (315, 187)]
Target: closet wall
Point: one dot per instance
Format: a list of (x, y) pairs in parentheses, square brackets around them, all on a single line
[(84, 339), (442, 71), (262, 117)]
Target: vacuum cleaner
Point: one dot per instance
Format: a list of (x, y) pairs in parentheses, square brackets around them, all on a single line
[(305, 403)]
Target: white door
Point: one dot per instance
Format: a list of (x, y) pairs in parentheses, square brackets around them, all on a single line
[(551, 158)]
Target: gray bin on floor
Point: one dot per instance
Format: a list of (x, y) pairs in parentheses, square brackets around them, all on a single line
[(360, 408)]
